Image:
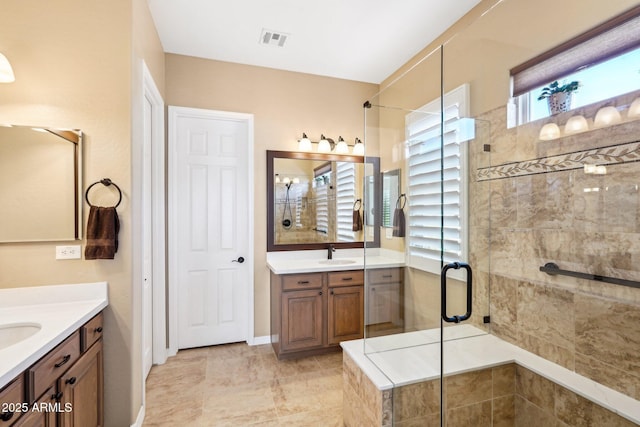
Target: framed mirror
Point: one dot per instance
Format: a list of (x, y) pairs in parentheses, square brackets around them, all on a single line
[(40, 184), (390, 194), (315, 199)]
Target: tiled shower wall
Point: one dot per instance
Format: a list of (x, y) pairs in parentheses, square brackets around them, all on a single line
[(582, 222)]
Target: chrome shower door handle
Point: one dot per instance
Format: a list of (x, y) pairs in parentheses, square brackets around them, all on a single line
[(443, 292)]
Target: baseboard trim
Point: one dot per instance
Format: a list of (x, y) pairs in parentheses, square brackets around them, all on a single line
[(266, 339), (140, 418)]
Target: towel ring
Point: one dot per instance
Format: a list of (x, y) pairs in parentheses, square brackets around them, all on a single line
[(356, 203), (404, 202), (106, 182)]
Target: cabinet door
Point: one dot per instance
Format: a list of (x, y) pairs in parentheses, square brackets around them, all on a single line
[(10, 396), (43, 412), (82, 391), (383, 304), (346, 314), (301, 319)]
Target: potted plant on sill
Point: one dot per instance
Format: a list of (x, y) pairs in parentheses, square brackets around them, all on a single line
[(559, 97)]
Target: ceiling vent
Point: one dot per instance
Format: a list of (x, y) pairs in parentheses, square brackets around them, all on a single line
[(273, 38)]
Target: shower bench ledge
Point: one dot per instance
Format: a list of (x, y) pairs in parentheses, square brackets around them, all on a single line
[(413, 357)]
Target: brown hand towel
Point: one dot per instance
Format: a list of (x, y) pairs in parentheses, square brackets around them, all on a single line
[(398, 223), (357, 221), (102, 233)]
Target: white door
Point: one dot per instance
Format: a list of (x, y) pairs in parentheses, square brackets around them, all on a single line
[(211, 198), (147, 239)]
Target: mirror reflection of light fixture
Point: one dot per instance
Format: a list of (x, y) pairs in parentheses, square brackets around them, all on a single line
[(634, 108), (324, 146), (607, 116), (575, 124), (305, 143), (6, 72), (358, 149), (286, 180), (549, 131), (341, 146)]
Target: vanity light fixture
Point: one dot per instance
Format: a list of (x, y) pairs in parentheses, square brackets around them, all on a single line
[(576, 124), (6, 72), (607, 116), (327, 145), (549, 131)]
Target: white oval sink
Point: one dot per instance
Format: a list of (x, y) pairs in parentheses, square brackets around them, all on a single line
[(337, 261), (13, 333)]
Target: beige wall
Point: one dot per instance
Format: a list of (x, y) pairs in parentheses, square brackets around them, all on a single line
[(73, 63), (284, 105)]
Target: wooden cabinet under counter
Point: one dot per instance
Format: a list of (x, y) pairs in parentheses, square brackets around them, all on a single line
[(64, 388), (312, 312), (385, 301)]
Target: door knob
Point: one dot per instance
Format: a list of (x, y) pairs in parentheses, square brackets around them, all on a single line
[(240, 260)]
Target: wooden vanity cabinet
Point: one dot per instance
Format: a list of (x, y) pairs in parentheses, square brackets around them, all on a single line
[(65, 387), (312, 312), (11, 395), (385, 301)]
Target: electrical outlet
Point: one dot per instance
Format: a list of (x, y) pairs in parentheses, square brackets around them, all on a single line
[(68, 252), (388, 232)]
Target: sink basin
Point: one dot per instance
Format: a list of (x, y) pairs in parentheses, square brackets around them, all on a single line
[(13, 333), (338, 261)]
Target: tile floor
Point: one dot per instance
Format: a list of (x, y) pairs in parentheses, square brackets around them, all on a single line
[(241, 385)]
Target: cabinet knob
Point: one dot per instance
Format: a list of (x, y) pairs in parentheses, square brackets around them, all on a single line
[(320, 293), (6, 416), (65, 359), (331, 292), (57, 396), (71, 380), (98, 329)]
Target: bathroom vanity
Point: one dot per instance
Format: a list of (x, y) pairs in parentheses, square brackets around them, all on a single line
[(317, 303), (52, 370)]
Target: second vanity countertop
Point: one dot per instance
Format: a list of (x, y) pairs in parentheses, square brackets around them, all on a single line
[(291, 262), (58, 309)]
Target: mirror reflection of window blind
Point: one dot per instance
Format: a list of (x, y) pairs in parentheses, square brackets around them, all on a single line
[(436, 215), (322, 208), (345, 198)]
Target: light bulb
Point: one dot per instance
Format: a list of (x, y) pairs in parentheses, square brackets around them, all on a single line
[(358, 149), (305, 143), (606, 116), (634, 108), (324, 146), (549, 131), (6, 72), (575, 124), (341, 146)]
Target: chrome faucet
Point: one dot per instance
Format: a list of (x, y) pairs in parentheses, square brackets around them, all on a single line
[(330, 250)]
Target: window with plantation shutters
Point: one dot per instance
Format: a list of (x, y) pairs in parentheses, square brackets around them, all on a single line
[(436, 217), (345, 198)]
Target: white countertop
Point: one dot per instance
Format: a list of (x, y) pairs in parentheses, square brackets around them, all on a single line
[(289, 262), (402, 359), (59, 309)]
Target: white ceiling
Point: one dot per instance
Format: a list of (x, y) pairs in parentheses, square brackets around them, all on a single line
[(363, 40)]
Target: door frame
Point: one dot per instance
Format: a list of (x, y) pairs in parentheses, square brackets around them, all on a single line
[(157, 163), (174, 113)]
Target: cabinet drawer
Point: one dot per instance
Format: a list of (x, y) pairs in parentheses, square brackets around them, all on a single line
[(346, 278), (293, 282), (384, 275), (54, 364), (91, 332), (11, 395)]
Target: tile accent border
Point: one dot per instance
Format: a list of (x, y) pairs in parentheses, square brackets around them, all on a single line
[(610, 155)]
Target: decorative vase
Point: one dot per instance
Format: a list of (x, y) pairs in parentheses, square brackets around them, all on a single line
[(559, 102)]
